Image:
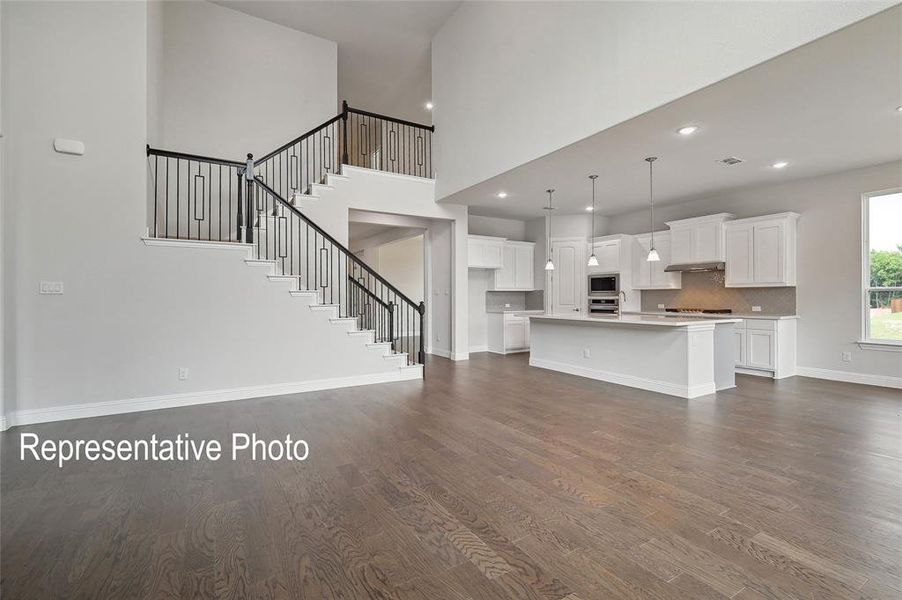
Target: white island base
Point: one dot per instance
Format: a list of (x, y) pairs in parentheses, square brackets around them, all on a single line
[(680, 357)]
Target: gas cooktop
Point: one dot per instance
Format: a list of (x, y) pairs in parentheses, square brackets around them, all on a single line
[(700, 311)]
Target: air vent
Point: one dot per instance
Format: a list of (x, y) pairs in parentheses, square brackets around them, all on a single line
[(730, 161)]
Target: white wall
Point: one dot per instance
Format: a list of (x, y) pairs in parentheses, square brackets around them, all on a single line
[(513, 81), (229, 83), (828, 294), (511, 229), (131, 315), (409, 202), (401, 263)]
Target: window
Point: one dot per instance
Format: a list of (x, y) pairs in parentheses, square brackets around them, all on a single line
[(882, 261)]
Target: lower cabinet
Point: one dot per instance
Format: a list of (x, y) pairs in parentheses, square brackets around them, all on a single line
[(507, 333), (766, 347)]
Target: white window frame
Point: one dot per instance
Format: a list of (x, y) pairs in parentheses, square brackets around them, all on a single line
[(865, 342)]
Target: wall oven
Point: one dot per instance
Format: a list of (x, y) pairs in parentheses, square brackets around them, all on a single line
[(604, 307), (607, 284)]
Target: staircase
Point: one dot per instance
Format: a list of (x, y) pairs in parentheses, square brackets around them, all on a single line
[(256, 204)]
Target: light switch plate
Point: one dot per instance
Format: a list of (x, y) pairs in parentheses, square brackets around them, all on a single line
[(587, 353), (54, 288), (847, 357), (65, 146), (183, 373)]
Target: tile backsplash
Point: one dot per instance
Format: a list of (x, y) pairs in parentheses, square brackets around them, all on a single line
[(706, 290), (495, 301)]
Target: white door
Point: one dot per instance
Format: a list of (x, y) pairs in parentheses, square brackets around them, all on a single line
[(739, 255), (608, 255), (682, 245), (641, 271), (768, 253), (492, 255), (524, 267), (515, 333), (504, 277), (568, 278), (761, 349), (707, 242), (660, 278)]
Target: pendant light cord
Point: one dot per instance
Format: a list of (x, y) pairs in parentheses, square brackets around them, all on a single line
[(651, 196), (593, 178)]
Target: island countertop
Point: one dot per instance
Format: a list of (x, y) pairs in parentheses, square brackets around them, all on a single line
[(635, 319)]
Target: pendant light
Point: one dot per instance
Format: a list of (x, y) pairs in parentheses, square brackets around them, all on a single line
[(593, 260), (549, 266), (653, 255)]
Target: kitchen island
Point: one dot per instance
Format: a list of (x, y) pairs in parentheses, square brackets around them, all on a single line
[(685, 357)]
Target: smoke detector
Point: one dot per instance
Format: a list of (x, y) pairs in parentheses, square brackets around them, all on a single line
[(730, 161)]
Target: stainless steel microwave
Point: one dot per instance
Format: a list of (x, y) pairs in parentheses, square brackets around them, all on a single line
[(607, 284)]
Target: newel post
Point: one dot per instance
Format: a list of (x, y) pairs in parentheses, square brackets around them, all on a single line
[(249, 211), (344, 132), (422, 354)]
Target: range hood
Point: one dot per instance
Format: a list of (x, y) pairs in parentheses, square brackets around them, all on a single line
[(694, 267)]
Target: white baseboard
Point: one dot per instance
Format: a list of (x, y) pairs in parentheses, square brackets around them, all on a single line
[(754, 372), (460, 356), (118, 407), (483, 348), (652, 385), (850, 377), (440, 352)]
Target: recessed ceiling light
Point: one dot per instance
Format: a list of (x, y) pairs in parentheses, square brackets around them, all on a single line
[(502, 195), (429, 106), (779, 164), (687, 130), (589, 209)]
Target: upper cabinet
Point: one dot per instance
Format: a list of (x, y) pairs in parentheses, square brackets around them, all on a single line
[(651, 275), (697, 240), (608, 253), (484, 252), (761, 251), (517, 270)]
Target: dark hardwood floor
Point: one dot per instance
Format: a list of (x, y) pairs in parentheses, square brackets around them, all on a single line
[(488, 480)]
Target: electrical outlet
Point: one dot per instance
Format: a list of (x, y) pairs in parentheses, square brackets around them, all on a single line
[(507, 305), (183, 373), (661, 306), (51, 287), (756, 309), (847, 357), (587, 353)]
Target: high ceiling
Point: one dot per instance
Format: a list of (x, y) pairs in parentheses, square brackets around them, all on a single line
[(826, 107), (383, 47)]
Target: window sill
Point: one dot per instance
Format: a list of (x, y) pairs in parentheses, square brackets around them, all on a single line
[(880, 345)]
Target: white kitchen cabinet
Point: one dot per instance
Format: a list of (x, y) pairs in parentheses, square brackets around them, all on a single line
[(484, 252), (766, 347), (651, 275), (761, 251), (760, 349), (517, 270), (697, 240), (608, 254), (507, 333)]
